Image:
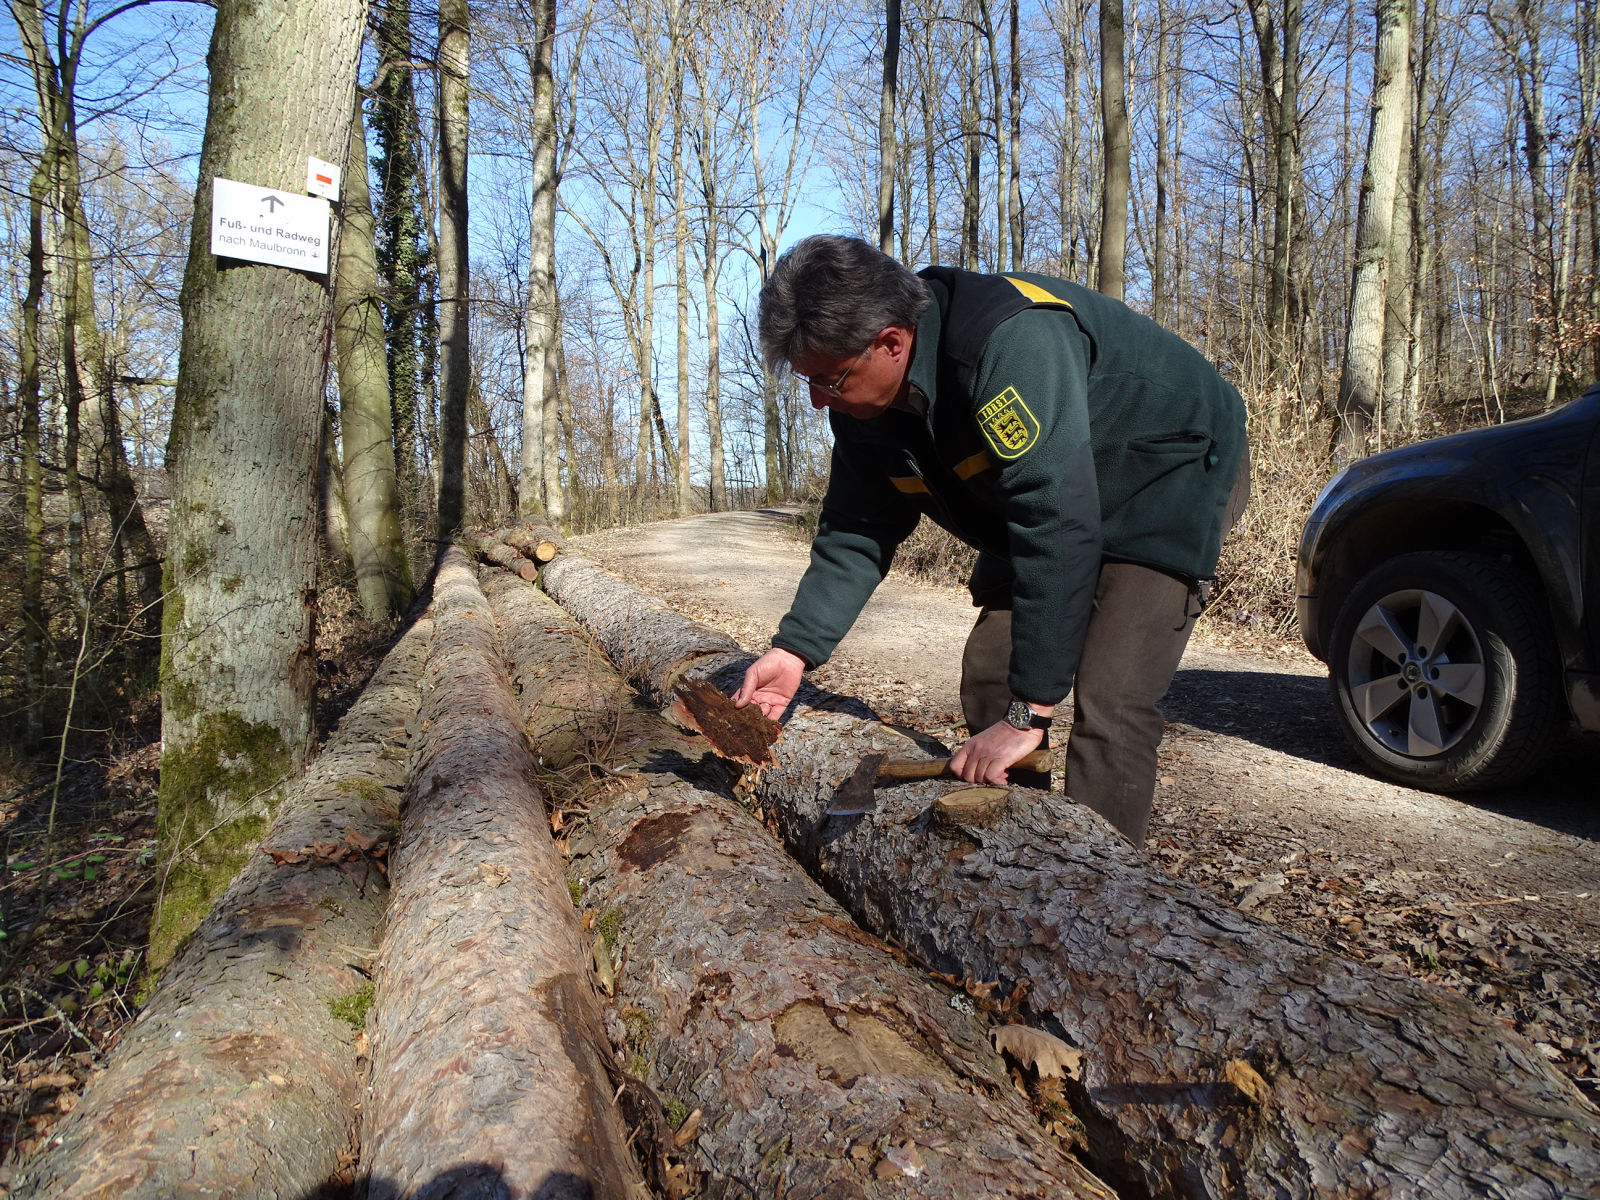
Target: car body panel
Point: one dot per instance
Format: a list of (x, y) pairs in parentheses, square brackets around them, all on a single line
[(1528, 489)]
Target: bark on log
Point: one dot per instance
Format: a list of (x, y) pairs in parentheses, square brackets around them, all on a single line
[(1369, 1083), (650, 642), (489, 549), (487, 1035), (820, 1063), (237, 1078)]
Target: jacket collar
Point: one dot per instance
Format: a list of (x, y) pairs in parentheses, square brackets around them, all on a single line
[(924, 371)]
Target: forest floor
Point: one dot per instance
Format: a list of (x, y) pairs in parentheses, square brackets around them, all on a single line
[(1261, 800)]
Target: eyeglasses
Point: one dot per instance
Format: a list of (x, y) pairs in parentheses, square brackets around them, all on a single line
[(833, 389)]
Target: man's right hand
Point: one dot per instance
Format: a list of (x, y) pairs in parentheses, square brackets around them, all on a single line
[(771, 682)]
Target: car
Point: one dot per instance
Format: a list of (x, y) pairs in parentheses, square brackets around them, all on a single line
[(1452, 587)]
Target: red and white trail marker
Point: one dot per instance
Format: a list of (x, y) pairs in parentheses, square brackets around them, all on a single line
[(322, 179)]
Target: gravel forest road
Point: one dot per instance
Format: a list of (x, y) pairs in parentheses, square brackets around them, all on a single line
[(1261, 799)]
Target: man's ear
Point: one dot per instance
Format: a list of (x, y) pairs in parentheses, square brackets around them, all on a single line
[(897, 341)]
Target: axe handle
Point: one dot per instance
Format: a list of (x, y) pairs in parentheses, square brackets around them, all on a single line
[(932, 768)]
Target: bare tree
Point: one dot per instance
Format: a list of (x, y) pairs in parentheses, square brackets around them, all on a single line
[(886, 136), (1361, 379), (455, 373), (1112, 278), (536, 488)]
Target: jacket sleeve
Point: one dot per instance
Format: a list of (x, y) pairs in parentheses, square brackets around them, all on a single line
[(1031, 404), (863, 519)]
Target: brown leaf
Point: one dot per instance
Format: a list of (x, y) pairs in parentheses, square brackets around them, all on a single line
[(494, 874), (356, 842), (738, 734), (1245, 1077), (57, 1079), (332, 851), (1042, 1051), (284, 858), (688, 1131)]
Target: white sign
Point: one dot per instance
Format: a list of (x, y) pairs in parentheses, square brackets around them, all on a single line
[(322, 179), (268, 226)]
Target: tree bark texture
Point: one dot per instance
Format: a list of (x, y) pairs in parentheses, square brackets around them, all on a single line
[(814, 1053), (487, 1068), (455, 362), (1118, 140), (371, 489), (237, 1078), (648, 640), (1361, 378), (886, 135), (1221, 1056), (238, 670), (539, 323)]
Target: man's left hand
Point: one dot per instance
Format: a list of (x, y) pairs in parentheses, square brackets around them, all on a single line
[(984, 758)]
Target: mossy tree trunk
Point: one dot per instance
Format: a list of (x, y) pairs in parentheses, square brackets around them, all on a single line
[(455, 363), (238, 670), (371, 493)]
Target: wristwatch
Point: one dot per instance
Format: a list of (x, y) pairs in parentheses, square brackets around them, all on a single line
[(1020, 716)]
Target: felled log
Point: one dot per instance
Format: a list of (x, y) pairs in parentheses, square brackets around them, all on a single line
[(240, 1076), (538, 542), (818, 1063), (1222, 1055), (487, 1070), (649, 641), (490, 549)]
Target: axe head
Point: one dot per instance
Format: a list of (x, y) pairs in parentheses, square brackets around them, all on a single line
[(855, 795)]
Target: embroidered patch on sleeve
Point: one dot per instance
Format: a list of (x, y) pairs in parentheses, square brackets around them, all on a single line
[(1008, 424)]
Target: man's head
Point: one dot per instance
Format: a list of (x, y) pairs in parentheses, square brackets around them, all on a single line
[(843, 315)]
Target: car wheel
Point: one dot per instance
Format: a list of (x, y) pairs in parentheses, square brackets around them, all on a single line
[(1445, 672)]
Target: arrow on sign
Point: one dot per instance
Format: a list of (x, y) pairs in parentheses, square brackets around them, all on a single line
[(272, 203)]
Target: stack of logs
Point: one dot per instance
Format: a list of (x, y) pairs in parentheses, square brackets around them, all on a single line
[(604, 959)]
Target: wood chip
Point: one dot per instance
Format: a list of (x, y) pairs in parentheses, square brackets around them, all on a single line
[(688, 1131), (970, 806), (494, 874), (1245, 1077)]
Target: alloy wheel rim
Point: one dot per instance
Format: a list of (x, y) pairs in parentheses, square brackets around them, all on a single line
[(1416, 673)]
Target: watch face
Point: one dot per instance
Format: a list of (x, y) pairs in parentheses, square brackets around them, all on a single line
[(1019, 715)]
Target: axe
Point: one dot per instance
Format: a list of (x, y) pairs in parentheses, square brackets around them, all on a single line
[(855, 795)]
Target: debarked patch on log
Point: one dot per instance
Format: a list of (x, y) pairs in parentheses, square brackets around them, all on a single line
[(846, 1047), (685, 837)]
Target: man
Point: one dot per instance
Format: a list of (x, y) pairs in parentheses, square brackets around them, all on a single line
[(1091, 457)]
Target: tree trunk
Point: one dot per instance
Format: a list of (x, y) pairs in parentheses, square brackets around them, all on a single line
[(1361, 378), (539, 326), (35, 621), (1014, 163), (718, 497), (886, 114), (371, 491), (486, 1075), (240, 1076), (1220, 1055), (238, 669), (455, 275), (1158, 271), (1398, 298), (836, 1050), (330, 483), (1112, 279), (683, 498)]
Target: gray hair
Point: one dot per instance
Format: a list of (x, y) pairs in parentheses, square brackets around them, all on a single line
[(833, 295)]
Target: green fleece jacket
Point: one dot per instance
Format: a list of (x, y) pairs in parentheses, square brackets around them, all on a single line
[(1082, 433)]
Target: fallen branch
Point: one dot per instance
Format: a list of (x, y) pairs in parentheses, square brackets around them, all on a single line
[(487, 1036), (1353, 1080), (237, 1078), (488, 548), (820, 1063)]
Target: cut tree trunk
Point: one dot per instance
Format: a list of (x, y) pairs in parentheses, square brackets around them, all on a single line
[(485, 547), (1221, 1055), (238, 1078), (819, 1062), (538, 542), (488, 1075)]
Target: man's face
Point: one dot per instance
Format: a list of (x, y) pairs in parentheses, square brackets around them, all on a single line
[(867, 383)]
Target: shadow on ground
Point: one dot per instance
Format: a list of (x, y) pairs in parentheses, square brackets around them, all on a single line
[(1292, 714)]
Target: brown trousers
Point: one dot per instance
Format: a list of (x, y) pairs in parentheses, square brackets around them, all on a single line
[(1138, 628)]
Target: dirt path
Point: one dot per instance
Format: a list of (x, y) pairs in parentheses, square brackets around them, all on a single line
[(1497, 894)]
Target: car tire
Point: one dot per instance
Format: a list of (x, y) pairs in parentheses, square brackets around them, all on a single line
[(1481, 710)]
